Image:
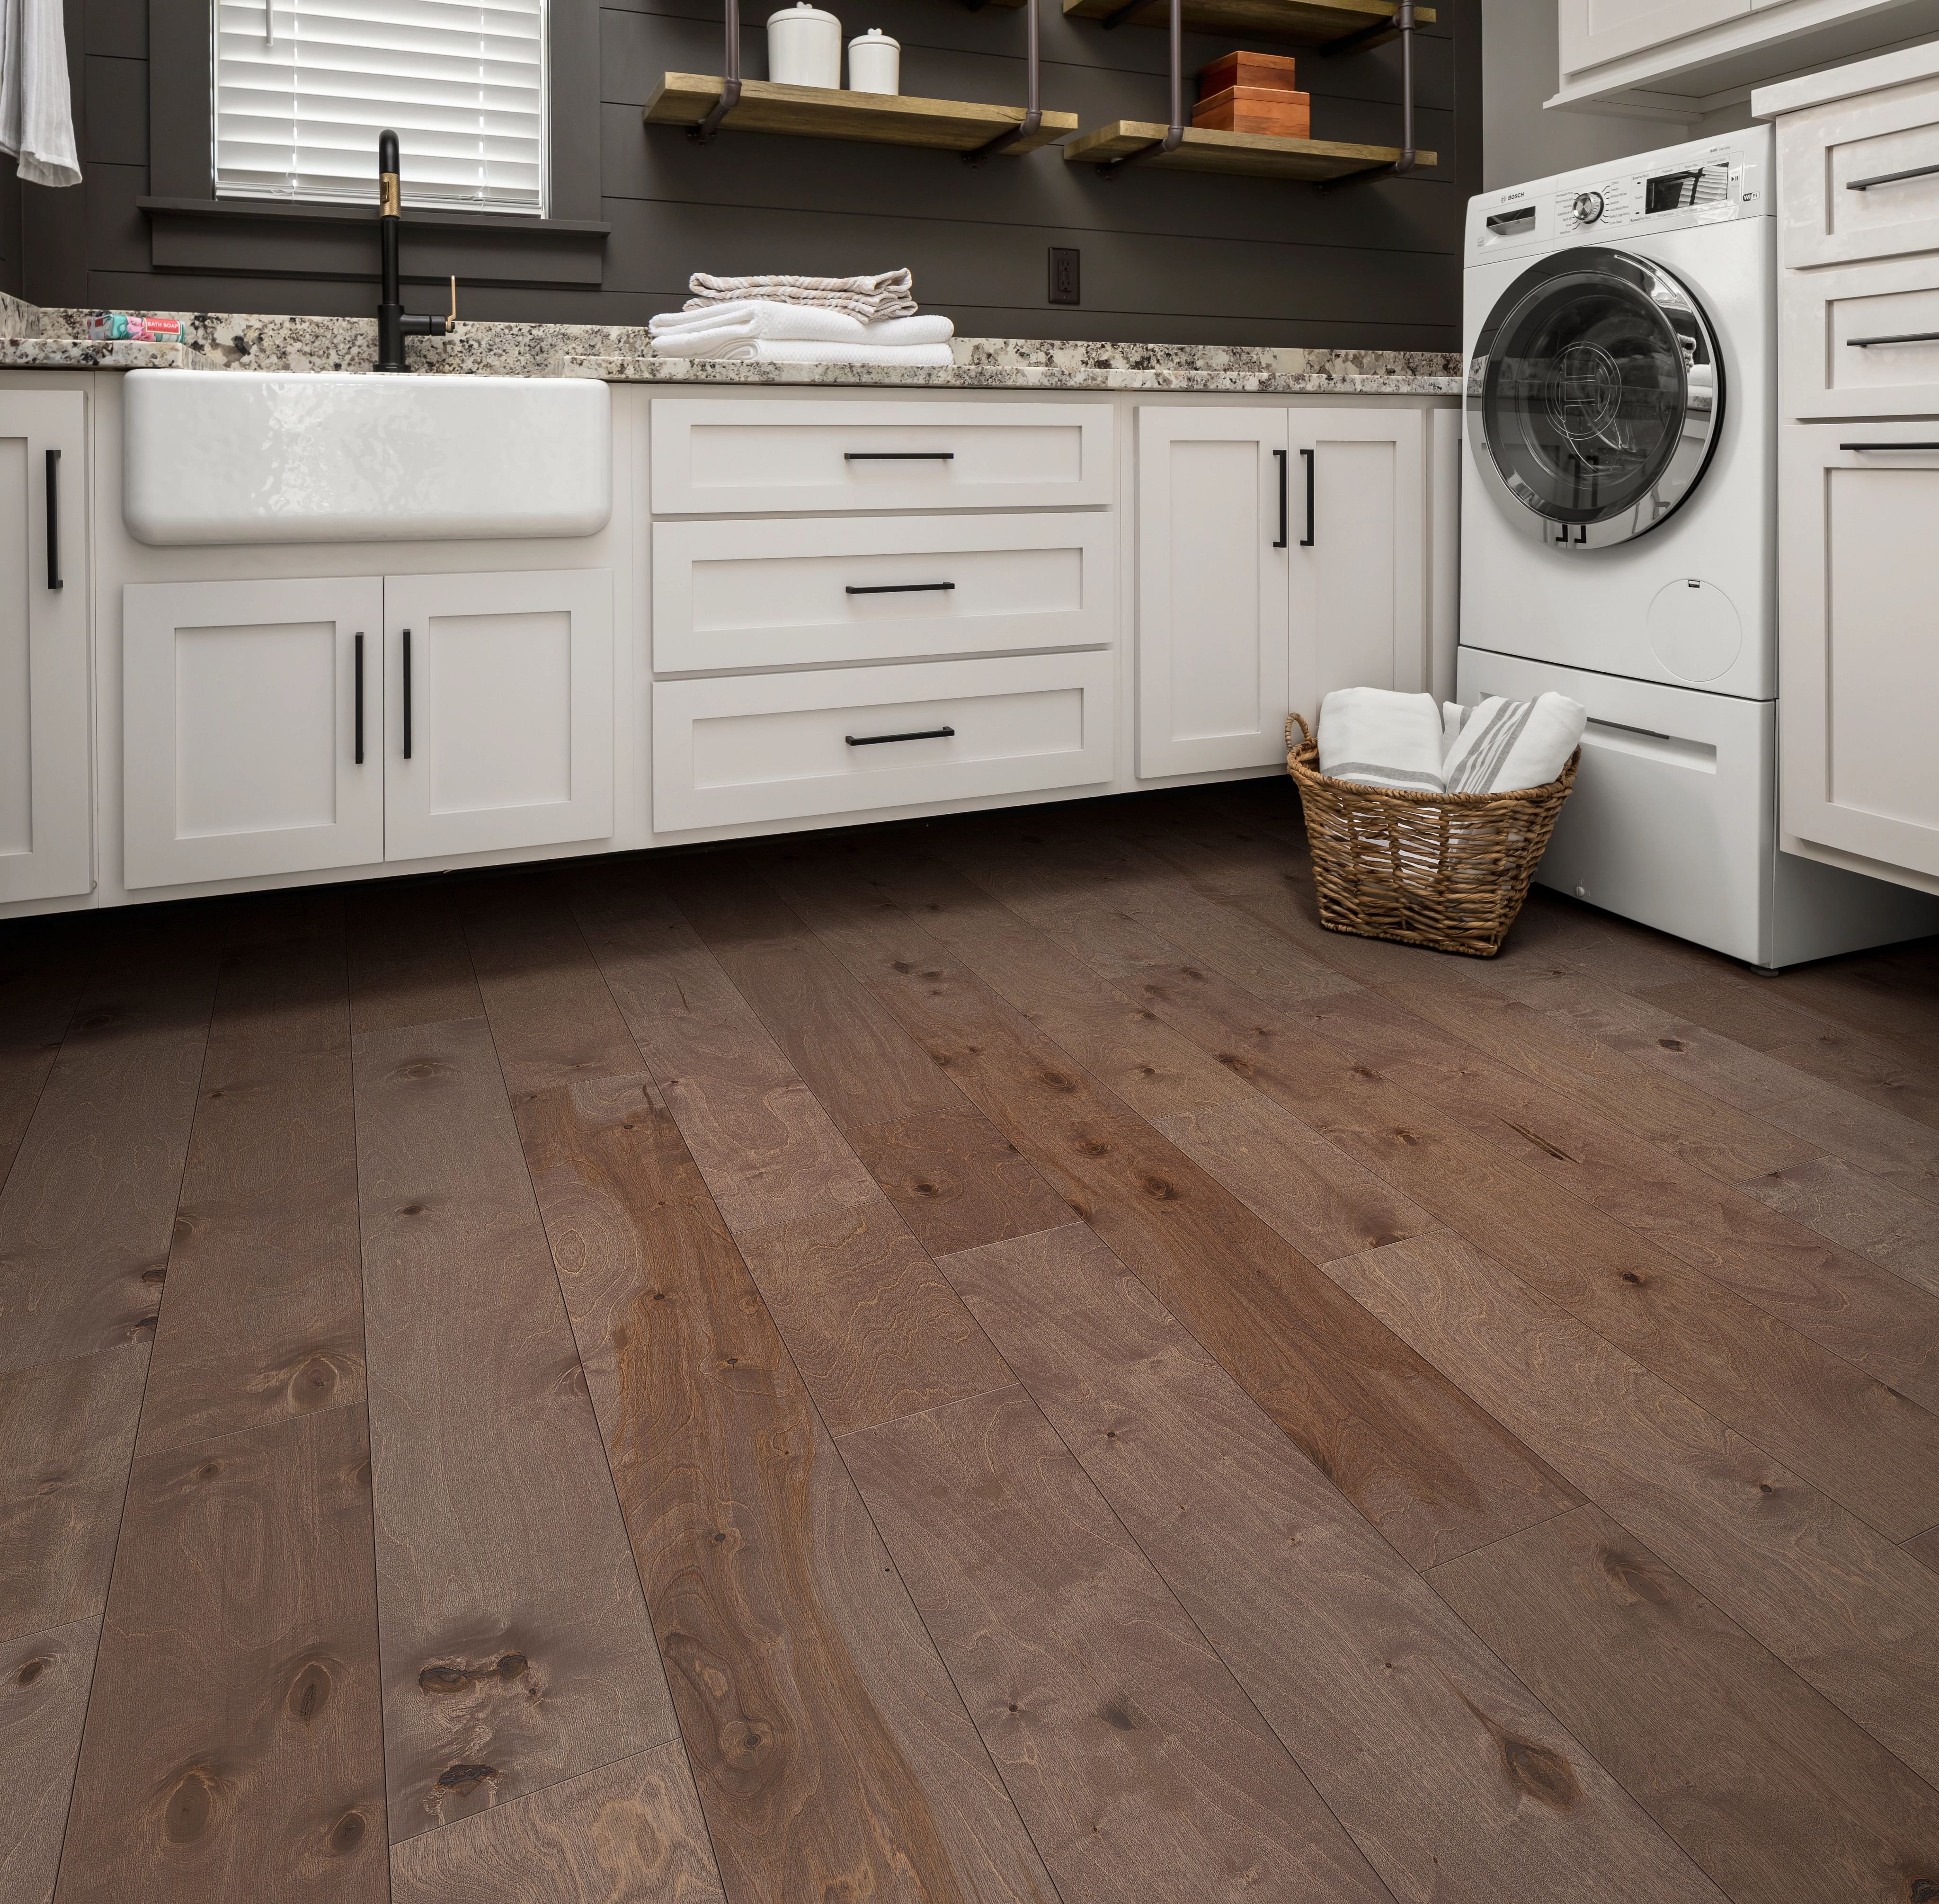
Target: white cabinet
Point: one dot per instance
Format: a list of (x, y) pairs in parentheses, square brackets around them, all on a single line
[(497, 711), (46, 761), (1280, 555), (273, 727), (1859, 641), (1590, 31)]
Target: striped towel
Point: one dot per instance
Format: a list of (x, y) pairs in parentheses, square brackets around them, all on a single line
[(880, 294), (1381, 739), (1506, 745)]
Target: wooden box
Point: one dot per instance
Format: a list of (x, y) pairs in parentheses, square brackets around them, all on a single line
[(1262, 69), (1256, 109)]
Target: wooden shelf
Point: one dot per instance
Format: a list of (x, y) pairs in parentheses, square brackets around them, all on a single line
[(1251, 155), (1298, 23), (824, 112)]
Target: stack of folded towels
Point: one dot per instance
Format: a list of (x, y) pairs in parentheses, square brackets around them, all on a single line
[(784, 320), (1407, 742)]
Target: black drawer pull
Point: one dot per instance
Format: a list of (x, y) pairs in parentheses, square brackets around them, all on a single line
[(360, 696), (407, 694), (1281, 454), (1888, 445), (1306, 540), (1889, 178), (882, 740), (897, 588), (899, 455), (53, 519), (1909, 337)]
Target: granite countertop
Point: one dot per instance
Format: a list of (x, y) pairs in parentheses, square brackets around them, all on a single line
[(34, 338)]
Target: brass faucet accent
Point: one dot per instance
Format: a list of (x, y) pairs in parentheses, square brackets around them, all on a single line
[(394, 324)]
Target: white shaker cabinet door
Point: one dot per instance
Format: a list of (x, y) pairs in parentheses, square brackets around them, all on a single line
[(1214, 502), (1359, 609), (251, 724), (1590, 31), (46, 784), (1858, 640), (498, 711)]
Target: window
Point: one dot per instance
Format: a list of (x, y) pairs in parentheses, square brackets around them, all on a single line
[(303, 87)]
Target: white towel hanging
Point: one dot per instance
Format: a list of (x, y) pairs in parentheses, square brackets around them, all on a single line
[(36, 110)]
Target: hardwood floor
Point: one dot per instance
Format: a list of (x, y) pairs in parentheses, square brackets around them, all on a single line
[(986, 1361)]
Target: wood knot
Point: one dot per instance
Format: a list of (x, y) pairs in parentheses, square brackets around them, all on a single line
[(348, 1832), (437, 1680), (160, 1274), (1159, 1188), (1672, 1044), (1630, 1277), (464, 1780), (29, 1671), (310, 1693), (191, 1805), (1922, 1891), (1544, 1776)]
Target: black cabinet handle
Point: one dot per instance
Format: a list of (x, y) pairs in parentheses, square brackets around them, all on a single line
[(407, 694), (1889, 178), (1888, 445), (882, 740), (357, 666), (1909, 337), (898, 588), (899, 455), (1281, 454), (1306, 540), (53, 519)]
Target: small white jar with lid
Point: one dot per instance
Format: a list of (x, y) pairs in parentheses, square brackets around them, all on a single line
[(805, 46), (875, 63)]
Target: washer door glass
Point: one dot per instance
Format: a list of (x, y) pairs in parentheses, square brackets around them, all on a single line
[(1597, 393)]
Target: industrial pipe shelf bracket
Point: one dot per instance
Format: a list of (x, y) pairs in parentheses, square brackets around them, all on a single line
[(1405, 24), (1033, 108), (1174, 136), (730, 80)]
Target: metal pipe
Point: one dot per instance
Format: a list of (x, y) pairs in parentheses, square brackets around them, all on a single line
[(1174, 133), (1405, 24), (1033, 109), (730, 79)]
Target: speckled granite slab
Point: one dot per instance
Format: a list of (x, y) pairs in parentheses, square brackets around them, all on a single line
[(34, 338)]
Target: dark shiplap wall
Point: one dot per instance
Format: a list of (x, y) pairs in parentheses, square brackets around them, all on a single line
[(1165, 258)]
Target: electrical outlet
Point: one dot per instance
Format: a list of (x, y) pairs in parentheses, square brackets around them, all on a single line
[(1064, 282)]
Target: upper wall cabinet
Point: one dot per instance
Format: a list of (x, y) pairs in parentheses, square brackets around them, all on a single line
[(1676, 61), (731, 458), (46, 777)]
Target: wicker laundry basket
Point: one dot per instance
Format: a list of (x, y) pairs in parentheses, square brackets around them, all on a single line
[(1445, 870)]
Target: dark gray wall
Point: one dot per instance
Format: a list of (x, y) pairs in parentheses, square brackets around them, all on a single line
[(1166, 257)]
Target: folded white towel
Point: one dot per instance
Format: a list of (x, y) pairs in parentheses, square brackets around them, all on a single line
[(878, 294), (755, 317), (717, 346), (1453, 715), (1381, 740), (1506, 744)]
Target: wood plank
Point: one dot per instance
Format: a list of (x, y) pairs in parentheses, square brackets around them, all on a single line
[(1433, 1474), (265, 1317), (1302, 22), (43, 1681), (1139, 1765), (1895, 1075), (1897, 1149), (409, 962), (44, 966), (1858, 1212), (553, 1021), (631, 1830), (831, 112), (516, 1648), (233, 1730), (87, 1213), (1855, 1617), (1247, 155), (874, 1330), (1924, 1547), (831, 1752), (1373, 1687), (67, 1431), (1767, 1786)]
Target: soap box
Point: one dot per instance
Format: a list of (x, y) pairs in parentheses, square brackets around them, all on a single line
[(1231, 69), (103, 326), (1256, 109)]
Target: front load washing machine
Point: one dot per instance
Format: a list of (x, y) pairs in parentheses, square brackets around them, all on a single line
[(1618, 531)]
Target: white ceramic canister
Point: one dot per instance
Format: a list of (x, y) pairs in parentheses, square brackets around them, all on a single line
[(805, 46), (875, 63)]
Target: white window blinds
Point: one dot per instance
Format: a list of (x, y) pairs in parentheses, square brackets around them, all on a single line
[(303, 88)]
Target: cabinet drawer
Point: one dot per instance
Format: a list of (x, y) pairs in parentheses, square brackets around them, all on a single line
[(777, 595), (755, 747), (1860, 178), (727, 458), (1863, 341)]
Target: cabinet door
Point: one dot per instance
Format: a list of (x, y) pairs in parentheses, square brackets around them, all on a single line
[(1859, 178), (46, 780), (1592, 31), (498, 711), (241, 725), (1858, 648), (1213, 508), (1358, 616)]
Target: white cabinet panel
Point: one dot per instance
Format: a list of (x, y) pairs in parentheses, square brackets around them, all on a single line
[(1359, 610), (1861, 340), (753, 747), (498, 711), (1859, 640), (46, 777), (1592, 31), (1859, 178), (716, 457), (1214, 525), (241, 725), (776, 595)]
